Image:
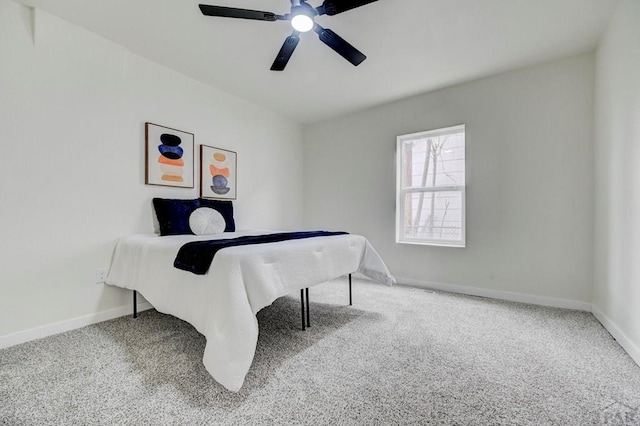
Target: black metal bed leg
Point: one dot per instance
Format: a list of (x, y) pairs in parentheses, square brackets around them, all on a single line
[(302, 307), (308, 310), (135, 304), (350, 294)]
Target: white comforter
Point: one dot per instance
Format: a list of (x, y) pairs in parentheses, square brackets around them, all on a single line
[(222, 304)]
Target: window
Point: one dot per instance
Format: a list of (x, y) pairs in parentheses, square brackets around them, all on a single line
[(430, 184)]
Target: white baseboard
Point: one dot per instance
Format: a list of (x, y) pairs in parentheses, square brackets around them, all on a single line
[(499, 294), (627, 344), (70, 324)]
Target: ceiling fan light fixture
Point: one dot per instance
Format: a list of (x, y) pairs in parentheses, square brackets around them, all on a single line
[(302, 23), (302, 20)]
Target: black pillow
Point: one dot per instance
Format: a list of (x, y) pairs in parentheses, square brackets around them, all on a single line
[(225, 208), (173, 214)]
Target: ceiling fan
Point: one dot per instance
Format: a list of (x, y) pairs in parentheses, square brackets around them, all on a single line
[(302, 20)]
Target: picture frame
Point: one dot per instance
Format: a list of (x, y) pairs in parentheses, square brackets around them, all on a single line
[(218, 173), (169, 156)]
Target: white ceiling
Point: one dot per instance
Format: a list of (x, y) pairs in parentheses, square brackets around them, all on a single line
[(413, 46)]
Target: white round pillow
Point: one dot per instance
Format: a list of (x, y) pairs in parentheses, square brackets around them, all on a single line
[(206, 221)]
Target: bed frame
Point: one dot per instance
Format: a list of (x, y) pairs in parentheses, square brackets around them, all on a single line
[(304, 304)]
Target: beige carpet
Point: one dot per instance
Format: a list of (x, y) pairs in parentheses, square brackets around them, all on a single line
[(398, 356)]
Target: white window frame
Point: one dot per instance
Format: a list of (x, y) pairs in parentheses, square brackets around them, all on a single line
[(401, 192)]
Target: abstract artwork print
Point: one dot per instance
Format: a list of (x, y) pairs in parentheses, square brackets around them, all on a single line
[(169, 156), (217, 173)]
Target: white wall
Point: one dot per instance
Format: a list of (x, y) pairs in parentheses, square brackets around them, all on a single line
[(529, 174), (617, 178), (72, 113)]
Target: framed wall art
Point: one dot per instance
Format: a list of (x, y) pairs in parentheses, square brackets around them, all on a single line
[(169, 156), (218, 173)]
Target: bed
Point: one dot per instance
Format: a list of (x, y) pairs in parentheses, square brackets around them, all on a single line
[(222, 303)]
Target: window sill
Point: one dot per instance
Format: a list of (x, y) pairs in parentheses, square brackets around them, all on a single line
[(456, 244)]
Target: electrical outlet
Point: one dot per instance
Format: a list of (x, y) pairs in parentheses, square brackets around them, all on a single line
[(101, 275)]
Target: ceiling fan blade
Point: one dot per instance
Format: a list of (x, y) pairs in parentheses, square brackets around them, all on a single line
[(232, 12), (285, 52), (333, 7), (340, 45)]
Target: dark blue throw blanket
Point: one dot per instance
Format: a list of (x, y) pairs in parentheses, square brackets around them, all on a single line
[(197, 256)]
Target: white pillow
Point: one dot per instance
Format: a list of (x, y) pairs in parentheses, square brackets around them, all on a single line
[(206, 221)]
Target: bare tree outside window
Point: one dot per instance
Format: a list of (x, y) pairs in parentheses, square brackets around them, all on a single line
[(431, 179)]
